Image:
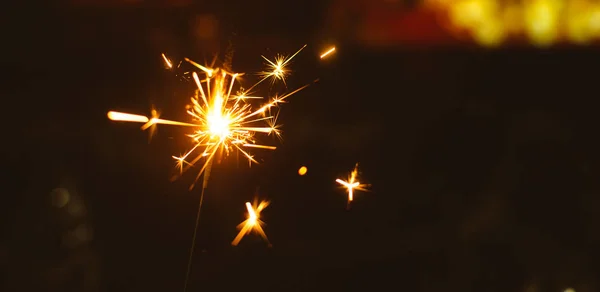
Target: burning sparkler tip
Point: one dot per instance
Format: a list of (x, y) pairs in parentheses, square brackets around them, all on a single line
[(222, 121)]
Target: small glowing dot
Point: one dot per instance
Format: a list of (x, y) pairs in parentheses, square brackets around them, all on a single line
[(302, 170), (569, 290)]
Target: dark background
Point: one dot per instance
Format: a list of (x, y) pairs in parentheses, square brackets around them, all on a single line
[(483, 163)]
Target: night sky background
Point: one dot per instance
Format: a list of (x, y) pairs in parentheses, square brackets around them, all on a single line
[(484, 164)]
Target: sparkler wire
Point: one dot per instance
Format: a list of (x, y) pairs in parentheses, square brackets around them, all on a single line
[(190, 258)]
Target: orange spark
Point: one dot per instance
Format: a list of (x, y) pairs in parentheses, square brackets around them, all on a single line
[(278, 69), (252, 223), (125, 117), (167, 61), (352, 184), (328, 52)]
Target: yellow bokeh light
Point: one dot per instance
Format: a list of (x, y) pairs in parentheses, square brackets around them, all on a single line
[(490, 33), (471, 13), (512, 18), (577, 22), (541, 21), (302, 170), (593, 20)]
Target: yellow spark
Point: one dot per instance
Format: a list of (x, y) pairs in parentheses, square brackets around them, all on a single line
[(206, 70), (117, 116), (352, 184), (221, 121), (252, 223), (328, 52), (277, 67), (154, 113), (167, 61)]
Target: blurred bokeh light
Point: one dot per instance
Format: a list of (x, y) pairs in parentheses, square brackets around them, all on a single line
[(541, 22), (488, 23)]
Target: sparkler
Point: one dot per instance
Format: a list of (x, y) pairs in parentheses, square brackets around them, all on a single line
[(252, 223), (352, 184), (223, 121)]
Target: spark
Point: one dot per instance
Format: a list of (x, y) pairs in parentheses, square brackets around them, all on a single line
[(328, 52), (222, 119), (252, 222), (352, 184), (154, 113), (117, 116), (167, 61), (277, 67)]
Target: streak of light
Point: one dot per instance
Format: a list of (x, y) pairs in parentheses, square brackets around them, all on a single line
[(167, 61), (328, 52)]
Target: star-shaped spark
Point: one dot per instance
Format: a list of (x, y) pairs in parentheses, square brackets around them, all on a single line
[(252, 223), (222, 118), (277, 69), (352, 184)]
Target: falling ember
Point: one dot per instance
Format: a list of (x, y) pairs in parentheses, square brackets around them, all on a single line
[(352, 184), (328, 52), (252, 223), (302, 170), (167, 61), (222, 120)]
